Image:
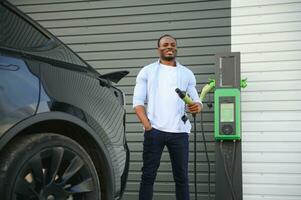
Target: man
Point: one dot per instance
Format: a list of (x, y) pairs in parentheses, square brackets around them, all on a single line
[(165, 123)]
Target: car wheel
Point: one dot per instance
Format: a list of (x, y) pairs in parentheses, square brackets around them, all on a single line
[(47, 167)]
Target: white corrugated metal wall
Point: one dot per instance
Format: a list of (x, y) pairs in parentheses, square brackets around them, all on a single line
[(268, 35)]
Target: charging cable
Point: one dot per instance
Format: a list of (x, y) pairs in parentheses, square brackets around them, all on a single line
[(207, 157), (189, 101)]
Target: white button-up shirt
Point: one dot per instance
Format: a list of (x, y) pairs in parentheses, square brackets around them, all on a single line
[(148, 88)]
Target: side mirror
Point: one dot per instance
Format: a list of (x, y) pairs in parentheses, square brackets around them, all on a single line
[(114, 76)]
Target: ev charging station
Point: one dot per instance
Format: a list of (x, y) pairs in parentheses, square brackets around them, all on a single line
[(227, 97), (227, 125)]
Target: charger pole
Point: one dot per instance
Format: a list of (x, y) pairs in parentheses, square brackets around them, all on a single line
[(227, 127)]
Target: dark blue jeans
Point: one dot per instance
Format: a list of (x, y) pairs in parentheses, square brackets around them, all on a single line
[(178, 147)]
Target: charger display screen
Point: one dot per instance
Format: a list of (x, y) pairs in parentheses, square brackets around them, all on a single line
[(227, 112)]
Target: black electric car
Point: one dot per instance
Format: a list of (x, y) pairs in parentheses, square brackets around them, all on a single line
[(62, 124)]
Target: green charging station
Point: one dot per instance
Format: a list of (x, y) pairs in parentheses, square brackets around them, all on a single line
[(227, 97), (227, 125), (227, 114)]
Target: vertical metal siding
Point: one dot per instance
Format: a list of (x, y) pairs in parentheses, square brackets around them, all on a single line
[(118, 35), (268, 35)]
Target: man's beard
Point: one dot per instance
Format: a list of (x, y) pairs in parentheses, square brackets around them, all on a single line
[(168, 58)]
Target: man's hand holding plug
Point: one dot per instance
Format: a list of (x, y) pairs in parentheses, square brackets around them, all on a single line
[(194, 108)]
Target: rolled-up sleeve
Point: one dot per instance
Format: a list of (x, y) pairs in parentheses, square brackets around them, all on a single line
[(191, 89), (140, 89)]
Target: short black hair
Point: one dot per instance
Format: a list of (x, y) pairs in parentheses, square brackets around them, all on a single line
[(163, 36)]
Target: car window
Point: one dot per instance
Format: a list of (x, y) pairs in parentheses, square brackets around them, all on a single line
[(17, 33)]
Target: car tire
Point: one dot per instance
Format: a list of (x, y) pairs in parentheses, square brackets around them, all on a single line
[(47, 167)]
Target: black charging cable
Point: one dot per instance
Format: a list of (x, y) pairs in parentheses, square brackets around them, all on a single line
[(188, 100), (195, 159), (207, 156)]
